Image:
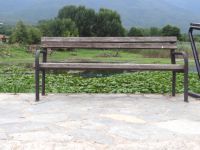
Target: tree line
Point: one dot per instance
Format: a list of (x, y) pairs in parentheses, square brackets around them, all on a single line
[(84, 22)]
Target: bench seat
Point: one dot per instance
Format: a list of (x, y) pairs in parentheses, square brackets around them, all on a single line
[(112, 66)]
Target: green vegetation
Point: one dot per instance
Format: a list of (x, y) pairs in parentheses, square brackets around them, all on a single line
[(136, 32), (23, 34), (19, 34), (144, 13), (84, 22), (18, 54), (5, 29), (70, 21), (58, 27), (169, 30), (21, 79), (108, 24), (15, 54), (84, 18), (16, 80), (89, 23)]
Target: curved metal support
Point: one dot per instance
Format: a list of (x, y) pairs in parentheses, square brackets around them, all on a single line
[(37, 71), (185, 58), (194, 49), (194, 26)]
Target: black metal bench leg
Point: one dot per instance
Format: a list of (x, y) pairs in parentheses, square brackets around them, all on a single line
[(44, 72), (37, 85), (43, 82), (173, 61), (173, 83), (37, 75), (185, 71), (186, 84)]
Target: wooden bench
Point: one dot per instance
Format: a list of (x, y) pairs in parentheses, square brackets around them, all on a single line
[(132, 43)]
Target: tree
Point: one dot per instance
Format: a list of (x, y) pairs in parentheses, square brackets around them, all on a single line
[(44, 26), (5, 29), (34, 35), (68, 12), (58, 27), (84, 18), (108, 23), (169, 30), (135, 32), (154, 31), (19, 34), (104, 23)]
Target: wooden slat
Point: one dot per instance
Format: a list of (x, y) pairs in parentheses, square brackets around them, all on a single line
[(59, 44), (109, 39), (111, 66), (195, 27)]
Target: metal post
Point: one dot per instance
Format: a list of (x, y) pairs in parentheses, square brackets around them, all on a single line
[(185, 71), (173, 61), (37, 71), (44, 72), (186, 82)]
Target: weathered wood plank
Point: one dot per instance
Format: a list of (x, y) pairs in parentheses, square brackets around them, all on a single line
[(111, 66), (195, 26), (55, 44), (110, 39)]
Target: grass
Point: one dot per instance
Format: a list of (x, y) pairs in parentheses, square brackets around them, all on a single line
[(104, 56), (15, 54)]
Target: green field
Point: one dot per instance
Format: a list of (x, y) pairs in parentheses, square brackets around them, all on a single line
[(17, 75), (15, 54)]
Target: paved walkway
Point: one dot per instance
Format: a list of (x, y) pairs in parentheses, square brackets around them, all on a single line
[(99, 122)]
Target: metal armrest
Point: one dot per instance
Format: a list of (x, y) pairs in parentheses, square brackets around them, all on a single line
[(37, 57), (185, 56), (37, 69), (195, 26)]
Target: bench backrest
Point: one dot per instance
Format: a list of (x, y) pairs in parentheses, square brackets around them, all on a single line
[(110, 42)]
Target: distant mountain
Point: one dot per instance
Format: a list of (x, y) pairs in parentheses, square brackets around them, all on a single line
[(144, 13)]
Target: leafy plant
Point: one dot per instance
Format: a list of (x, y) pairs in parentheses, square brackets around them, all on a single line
[(21, 80)]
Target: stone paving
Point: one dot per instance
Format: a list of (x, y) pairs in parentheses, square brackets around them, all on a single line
[(99, 122)]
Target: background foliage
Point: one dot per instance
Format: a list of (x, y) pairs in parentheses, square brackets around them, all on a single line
[(81, 21)]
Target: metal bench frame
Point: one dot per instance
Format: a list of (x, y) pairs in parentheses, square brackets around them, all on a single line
[(111, 43), (194, 26)]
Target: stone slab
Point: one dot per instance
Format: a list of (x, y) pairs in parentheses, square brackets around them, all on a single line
[(99, 122)]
